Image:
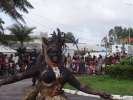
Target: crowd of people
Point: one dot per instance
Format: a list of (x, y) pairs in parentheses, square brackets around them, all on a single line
[(91, 64), (15, 63)]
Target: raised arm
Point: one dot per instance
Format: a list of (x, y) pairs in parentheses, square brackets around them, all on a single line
[(75, 83), (34, 71), (15, 78)]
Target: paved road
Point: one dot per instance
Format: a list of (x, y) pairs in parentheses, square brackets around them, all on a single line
[(17, 91)]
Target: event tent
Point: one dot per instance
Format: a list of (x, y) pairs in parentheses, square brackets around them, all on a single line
[(96, 54), (6, 49)]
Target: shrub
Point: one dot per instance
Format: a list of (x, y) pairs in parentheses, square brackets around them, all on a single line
[(127, 61), (120, 71)]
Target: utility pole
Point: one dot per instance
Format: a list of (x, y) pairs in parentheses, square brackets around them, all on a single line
[(129, 36), (106, 45)]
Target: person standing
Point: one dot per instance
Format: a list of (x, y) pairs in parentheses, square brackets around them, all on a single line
[(69, 62), (99, 65), (82, 66)]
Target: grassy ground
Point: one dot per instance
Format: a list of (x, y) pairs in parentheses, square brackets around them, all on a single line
[(107, 84)]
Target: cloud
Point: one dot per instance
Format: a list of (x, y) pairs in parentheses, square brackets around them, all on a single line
[(89, 20)]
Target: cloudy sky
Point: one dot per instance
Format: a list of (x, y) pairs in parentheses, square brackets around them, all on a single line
[(89, 20)]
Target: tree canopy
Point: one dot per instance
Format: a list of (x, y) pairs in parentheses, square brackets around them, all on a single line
[(13, 8), (1, 26), (120, 35), (69, 37), (21, 33)]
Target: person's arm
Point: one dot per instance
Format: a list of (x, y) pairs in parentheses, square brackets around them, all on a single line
[(18, 77), (34, 71), (75, 83)]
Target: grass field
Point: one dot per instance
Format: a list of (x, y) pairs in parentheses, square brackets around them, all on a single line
[(107, 84)]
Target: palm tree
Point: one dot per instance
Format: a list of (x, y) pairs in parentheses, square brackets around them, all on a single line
[(1, 26), (12, 8), (21, 33), (69, 37), (2, 36)]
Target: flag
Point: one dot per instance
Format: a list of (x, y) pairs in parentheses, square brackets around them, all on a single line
[(130, 40)]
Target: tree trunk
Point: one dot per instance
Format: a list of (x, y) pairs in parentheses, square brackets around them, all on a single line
[(21, 44)]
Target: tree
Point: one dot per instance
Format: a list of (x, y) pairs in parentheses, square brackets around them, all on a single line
[(12, 8), (119, 35), (1, 26), (112, 37), (1, 30), (21, 33), (2, 36), (69, 37)]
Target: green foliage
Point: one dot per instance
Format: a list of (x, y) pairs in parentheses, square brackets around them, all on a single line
[(21, 33), (118, 34), (7, 39), (21, 51), (107, 84), (1, 26), (3, 39), (69, 37), (12, 8), (120, 71), (127, 61)]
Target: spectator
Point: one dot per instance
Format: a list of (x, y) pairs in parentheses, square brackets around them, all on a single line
[(69, 62), (82, 66), (17, 68), (99, 65)]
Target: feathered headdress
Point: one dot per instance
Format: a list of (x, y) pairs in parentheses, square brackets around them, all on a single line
[(55, 42)]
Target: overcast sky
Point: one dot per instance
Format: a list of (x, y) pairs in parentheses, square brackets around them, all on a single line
[(89, 20)]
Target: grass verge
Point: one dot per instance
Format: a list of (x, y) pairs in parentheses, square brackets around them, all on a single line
[(106, 84)]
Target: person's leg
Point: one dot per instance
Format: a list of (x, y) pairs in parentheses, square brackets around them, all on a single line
[(33, 81)]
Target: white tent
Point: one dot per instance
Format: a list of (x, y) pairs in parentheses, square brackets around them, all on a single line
[(86, 46), (5, 49), (96, 54), (89, 47), (118, 48)]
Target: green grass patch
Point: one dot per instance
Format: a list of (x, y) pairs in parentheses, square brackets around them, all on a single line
[(106, 84)]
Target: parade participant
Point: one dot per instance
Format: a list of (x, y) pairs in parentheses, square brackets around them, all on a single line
[(52, 79)]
